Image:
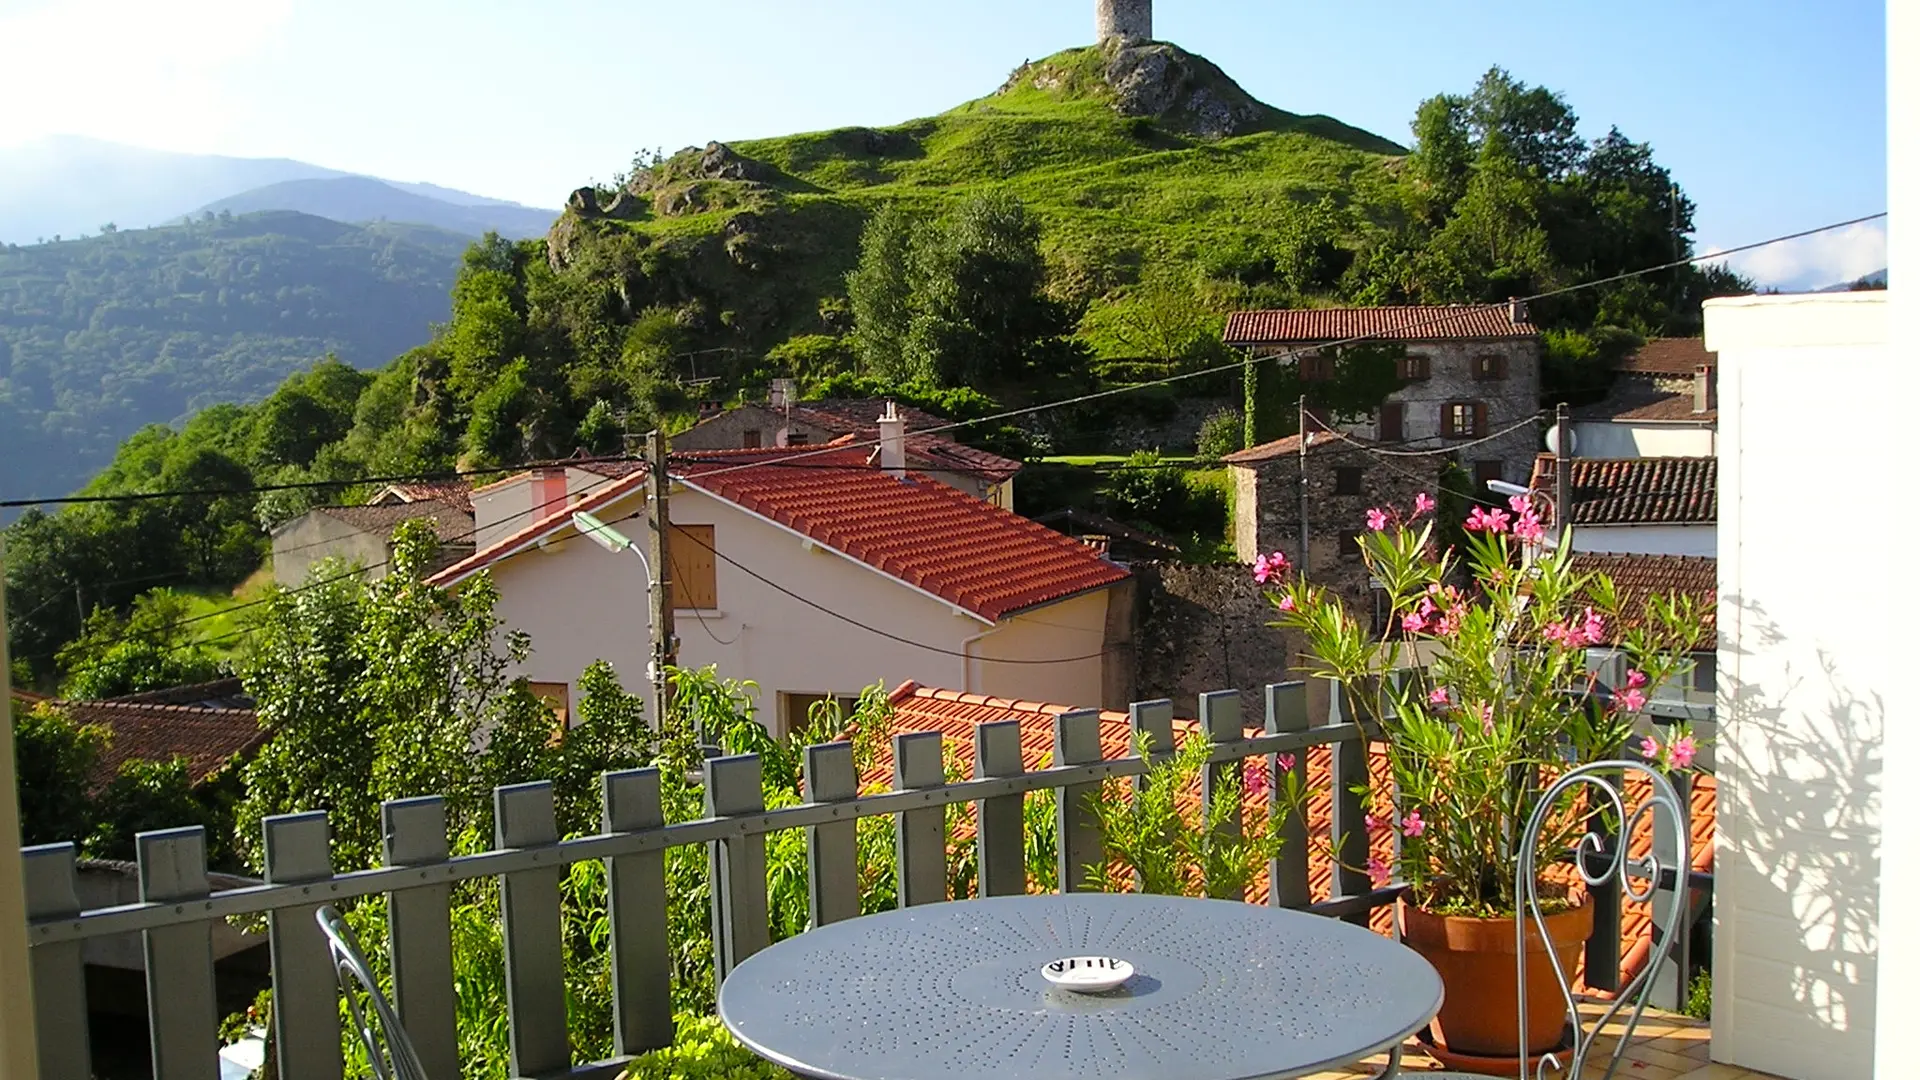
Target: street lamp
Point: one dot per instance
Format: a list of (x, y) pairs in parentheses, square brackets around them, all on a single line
[(1502, 487)]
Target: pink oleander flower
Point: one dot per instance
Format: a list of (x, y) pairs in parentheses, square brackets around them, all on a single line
[(1411, 825), (1682, 752), (1484, 520), (1285, 761), (1649, 747), (1486, 719), (1520, 504), (1263, 569), (1528, 528), (1373, 823), (1594, 628), (1376, 519), (1285, 603), (1448, 625), (1413, 622), (1437, 696), (1636, 678), (1630, 700), (1257, 781), (1422, 504), (1377, 870)]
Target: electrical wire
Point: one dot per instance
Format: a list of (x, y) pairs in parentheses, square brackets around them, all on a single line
[(1450, 448)]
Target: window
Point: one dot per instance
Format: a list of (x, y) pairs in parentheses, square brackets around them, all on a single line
[(1393, 421), (1414, 367), (1484, 471), (796, 710), (1490, 366), (1704, 666), (690, 550), (1346, 480), (554, 696), (1316, 368), (1350, 543), (796, 438), (1382, 611), (750, 439), (1463, 419)]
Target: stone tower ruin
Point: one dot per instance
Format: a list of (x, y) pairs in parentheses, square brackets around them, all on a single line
[(1127, 20)]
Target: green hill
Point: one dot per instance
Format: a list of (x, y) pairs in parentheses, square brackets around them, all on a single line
[(103, 335)]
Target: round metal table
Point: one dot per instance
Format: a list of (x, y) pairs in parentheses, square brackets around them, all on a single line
[(1222, 990)]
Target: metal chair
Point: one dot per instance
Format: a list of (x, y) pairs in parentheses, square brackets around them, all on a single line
[(1638, 989), (388, 1048)]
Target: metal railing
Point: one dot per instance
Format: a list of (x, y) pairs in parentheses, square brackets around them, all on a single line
[(178, 910)]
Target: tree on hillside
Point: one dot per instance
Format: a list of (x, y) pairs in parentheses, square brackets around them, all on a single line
[(149, 649), (880, 293)]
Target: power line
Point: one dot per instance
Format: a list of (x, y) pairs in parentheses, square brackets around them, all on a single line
[(1439, 450)]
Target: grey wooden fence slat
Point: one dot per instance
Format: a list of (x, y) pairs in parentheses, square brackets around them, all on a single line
[(920, 836), (1602, 963), (1287, 880), (530, 933), (180, 1004), (1076, 741), (306, 996), (59, 976), (1220, 720), (1000, 821), (833, 853), (637, 916), (1670, 987), (1348, 820), (420, 932), (1154, 721), (737, 865)]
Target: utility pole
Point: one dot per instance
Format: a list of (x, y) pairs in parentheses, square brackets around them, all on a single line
[(665, 652), (19, 1055), (1306, 549), (1562, 475)]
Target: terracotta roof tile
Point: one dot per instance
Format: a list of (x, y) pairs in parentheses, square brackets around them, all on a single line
[(860, 417), (229, 693), (954, 714), (1667, 356), (207, 738), (1664, 399), (1453, 322), (1636, 578), (1278, 448), (1639, 491), (980, 557), (449, 524), (455, 493)]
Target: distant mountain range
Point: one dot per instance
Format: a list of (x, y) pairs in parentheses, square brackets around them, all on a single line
[(68, 186), (1875, 280)]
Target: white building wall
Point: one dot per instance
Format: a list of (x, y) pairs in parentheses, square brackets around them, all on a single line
[(1646, 539), (581, 603), (1807, 659), (1625, 439)]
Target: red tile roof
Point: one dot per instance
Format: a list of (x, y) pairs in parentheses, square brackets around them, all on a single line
[(860, 417), (455, 493), (1661, 399), (954, 714), (1639, 491), (1667, 356), (1452, 322), (449, 524), (1637, 578), (980, 557), (1279, 448), (207, 738)]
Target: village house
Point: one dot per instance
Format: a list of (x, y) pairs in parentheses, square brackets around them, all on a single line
[(813, 575), (363, 535), (1664, 403), (1471, 371), (1647, 505), (780, 422)]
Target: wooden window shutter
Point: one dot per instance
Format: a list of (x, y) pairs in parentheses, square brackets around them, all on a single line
[(1479, 418), (1393, 421), (690, 548)]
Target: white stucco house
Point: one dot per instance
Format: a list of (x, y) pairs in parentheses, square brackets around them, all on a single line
[(1644, 505), (811, 574), (1664, 403)]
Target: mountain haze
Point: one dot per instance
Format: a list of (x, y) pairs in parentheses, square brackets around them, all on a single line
[(362, 199)]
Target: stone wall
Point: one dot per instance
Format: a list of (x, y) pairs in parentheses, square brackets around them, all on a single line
[(1129, 20), (1201, 628)]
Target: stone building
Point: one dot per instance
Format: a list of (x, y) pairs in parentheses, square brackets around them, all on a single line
[(1470, 370), (1126, 20), (1664, 403), (1343, 480)]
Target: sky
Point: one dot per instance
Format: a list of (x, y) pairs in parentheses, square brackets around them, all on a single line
[(1770, 113)]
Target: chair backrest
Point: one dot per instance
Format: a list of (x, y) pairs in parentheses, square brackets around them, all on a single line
[(374, 1021), (1640, 880)]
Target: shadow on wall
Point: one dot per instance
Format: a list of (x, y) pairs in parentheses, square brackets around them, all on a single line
[(1804, 812)]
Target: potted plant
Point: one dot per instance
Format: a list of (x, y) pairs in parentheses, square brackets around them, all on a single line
[(1480, 685)]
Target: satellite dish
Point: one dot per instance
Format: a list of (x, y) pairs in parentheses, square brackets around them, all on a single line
[(1553, 441)]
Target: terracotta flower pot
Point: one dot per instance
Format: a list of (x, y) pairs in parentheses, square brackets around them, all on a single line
[(1476, 964)]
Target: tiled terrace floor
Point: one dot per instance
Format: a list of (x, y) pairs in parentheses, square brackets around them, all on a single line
[(1664, 1047)]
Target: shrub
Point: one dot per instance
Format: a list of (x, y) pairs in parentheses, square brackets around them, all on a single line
[(1221, 434), (702, 1048), (1147, 490)]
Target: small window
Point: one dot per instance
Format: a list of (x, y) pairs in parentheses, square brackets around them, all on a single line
[(796, 438), (1393, 422), (1414, 367), (1463, 419), (693, 585), (1316, 368), (1484, 471), (554, 696), (1703, 672), (1346, 480), (797, 709), (1490, 366), (750, 439), (1350, 543)]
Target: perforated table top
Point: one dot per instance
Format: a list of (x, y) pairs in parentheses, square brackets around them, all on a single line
[(1221, 990)]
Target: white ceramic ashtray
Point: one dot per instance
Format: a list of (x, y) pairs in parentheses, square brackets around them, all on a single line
[(1087, 974)]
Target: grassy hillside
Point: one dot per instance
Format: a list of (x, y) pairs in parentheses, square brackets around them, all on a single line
[(101, 336)]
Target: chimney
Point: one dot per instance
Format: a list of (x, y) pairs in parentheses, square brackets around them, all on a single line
[(549, 491), (1516, 310), (1706, 395), (780, 393), (893, 442)]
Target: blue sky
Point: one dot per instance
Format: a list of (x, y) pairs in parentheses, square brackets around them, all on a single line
[(1772, 114)]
